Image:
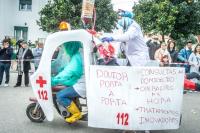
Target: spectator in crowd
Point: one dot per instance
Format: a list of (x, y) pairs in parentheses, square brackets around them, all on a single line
[(153, 45), (24, 55), (194, 60), (165, 60), (161, 52), (171, 47), (184, 55), (5, 56), (37, 53)]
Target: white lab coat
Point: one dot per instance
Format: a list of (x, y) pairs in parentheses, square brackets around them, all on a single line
[(80, 87), (136, 49)]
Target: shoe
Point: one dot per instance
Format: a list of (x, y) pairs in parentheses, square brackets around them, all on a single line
[(5, 85), (26, 85), (17, 85), (76, 114)]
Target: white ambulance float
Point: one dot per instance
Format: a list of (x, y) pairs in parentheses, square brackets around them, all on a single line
[(118, 97)]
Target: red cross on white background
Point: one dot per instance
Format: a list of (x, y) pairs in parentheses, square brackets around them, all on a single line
[(41, 82)]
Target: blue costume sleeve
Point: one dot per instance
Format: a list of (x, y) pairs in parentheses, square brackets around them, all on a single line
[(71, 73)]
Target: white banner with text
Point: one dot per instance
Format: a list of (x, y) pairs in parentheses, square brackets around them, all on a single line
[(135, 98)]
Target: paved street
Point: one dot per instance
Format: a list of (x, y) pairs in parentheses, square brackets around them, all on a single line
[(13, 119)]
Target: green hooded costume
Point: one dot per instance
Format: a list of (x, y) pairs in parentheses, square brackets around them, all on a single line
[(69, 75)]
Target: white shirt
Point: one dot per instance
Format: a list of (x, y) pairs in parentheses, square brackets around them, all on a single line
[(136, 48), (80, 87), (194, 61)]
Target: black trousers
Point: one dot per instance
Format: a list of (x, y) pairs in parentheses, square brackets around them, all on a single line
[(193, 75), (26, 78)]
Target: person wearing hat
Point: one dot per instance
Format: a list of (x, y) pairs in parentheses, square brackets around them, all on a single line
[(184, 55), (24, 56), (135, 47)]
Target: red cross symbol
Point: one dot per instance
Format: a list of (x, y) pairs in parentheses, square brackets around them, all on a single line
[(41, 81)]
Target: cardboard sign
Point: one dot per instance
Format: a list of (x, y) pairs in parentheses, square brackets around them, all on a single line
[(41, 79), (135, 98), (87, 9)]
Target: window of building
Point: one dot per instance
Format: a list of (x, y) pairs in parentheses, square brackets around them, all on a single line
[(25, 5), (21, 32)]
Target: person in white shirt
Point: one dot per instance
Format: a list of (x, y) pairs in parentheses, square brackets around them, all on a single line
[(194, 60), (136, 49)]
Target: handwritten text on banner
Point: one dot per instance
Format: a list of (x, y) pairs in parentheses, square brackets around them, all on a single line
[(133, 98)]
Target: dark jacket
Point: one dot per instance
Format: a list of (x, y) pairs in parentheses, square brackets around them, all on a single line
[(28, 56), (27, 64), (6, 54), (153, 46), (173, 53)]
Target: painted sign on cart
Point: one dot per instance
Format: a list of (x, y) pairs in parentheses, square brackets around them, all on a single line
[(135, 98)]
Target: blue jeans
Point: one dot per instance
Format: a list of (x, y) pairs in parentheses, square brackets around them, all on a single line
[(4, 67), (65, 96)]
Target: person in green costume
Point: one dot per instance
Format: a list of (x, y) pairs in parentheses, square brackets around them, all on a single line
[(72, 77)]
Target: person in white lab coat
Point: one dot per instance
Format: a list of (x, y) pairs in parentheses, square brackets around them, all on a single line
[(136, 49)]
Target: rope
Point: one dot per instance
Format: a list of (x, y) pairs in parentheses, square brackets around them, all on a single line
[(94, 18), (179, 63), (21, 60)]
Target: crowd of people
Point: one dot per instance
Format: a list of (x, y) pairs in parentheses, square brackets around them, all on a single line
[(168, 55), (24, 57)]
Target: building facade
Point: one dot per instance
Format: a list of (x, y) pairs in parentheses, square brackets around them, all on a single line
[(18, 19)]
